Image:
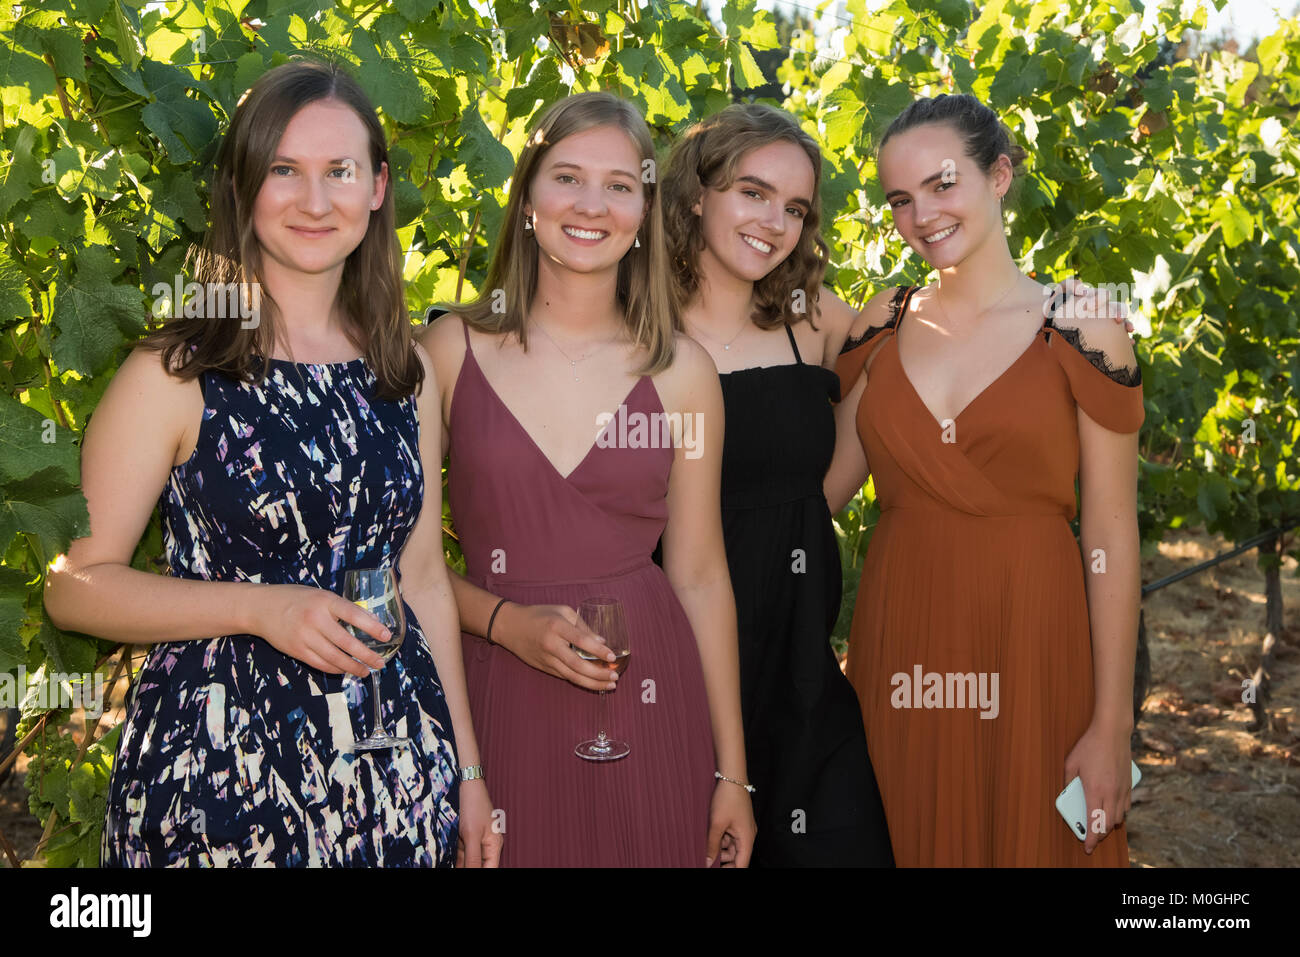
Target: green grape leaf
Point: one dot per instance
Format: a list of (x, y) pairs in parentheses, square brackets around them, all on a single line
[(487, 161), (14, 300), (94, 315)]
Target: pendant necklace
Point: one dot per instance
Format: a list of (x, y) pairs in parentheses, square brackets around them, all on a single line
[(725, 345), (573, 363)]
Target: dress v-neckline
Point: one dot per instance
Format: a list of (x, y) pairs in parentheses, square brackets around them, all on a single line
[(469, 357), (975, 398), (898, 359)]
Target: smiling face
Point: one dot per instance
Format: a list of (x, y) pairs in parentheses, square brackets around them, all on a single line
[(314, 206), (586, 200), (750, 227), (944, 206)]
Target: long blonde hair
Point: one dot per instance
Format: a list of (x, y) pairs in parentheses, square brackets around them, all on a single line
[(643, 288)]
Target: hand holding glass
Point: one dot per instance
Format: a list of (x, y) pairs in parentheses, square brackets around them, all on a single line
[(375, 590), (605, 617)]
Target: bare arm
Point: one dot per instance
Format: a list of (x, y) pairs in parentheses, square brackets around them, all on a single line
[(128, 452), (426, 589), (695, 563), (849, 467), (425, 583), (126, 457), (695, 558), (1108, 537), (836, 319)]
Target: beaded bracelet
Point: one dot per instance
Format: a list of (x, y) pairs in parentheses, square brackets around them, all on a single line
[(722, 777)]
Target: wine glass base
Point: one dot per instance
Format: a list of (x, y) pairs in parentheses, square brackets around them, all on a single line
[(378, 742), (593, 750)]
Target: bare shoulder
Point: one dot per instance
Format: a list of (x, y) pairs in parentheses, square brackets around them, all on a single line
[(145, 376), (691, 375), (443, 341), (146, 409), (837, 314), (444, 333), (691, 361), (426, 362)]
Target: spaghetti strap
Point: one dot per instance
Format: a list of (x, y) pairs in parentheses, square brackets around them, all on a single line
[(794, 345)]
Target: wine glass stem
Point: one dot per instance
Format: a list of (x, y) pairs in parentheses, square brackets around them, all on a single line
[(600, 731), (379, 721)]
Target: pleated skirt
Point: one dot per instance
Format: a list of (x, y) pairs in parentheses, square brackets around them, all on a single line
[(649, 809), (990, 614)]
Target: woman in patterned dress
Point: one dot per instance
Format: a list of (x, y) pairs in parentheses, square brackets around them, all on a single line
[(288, 446)]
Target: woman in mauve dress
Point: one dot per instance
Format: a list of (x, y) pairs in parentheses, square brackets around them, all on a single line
[(558, 383)]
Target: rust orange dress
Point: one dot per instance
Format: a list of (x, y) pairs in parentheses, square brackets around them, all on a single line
[(970, 648)]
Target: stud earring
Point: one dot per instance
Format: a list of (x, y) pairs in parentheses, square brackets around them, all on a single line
[(637, 243)]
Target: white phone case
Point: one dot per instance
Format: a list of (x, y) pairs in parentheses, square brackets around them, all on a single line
[(1071, 805)]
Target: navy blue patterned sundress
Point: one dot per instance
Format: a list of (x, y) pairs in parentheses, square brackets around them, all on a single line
[(233, 753)]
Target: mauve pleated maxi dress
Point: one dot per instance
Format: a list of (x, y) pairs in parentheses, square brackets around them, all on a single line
[(536, 537), (973, 568)]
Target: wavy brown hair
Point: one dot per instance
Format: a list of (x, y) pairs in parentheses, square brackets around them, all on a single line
[(643, 289), (370, 291), (707, 157)]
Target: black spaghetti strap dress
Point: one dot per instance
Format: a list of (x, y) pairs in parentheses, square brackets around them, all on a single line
[(816, 803)]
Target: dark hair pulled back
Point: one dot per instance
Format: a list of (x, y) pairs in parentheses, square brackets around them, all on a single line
[(985, 136)]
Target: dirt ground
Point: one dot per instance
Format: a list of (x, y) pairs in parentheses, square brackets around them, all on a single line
[(1213, 794)]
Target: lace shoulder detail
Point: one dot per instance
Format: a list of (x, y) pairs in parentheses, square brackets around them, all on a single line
[(1122, 375), (852, 342)]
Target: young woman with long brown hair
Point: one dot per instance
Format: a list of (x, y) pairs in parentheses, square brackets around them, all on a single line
[(288, 447), (547, 381)]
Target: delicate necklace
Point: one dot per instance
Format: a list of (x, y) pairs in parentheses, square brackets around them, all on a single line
[(573, 363), (725, 345), (986, 308)]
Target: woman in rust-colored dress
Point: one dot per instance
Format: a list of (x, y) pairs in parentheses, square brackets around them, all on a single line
[(992, 660)]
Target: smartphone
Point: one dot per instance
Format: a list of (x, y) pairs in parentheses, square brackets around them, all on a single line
[(1074, 809)]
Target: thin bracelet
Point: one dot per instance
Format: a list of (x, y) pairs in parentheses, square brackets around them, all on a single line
[(488, 636), (722, 777)]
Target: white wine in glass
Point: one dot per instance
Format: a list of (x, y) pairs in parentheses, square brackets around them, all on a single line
[(605, 617), (375, 590)]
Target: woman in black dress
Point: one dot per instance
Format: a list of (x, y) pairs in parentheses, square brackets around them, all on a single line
[(742, 209)]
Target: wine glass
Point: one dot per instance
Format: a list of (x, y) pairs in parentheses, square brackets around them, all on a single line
[(605, 616), (375, 590)]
